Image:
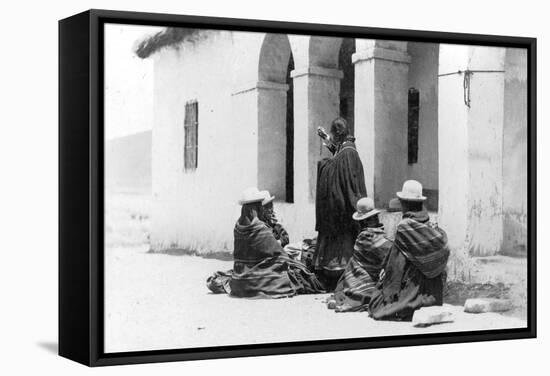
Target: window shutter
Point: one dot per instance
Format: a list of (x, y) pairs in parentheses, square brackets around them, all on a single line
[(194, 132), (413, 125), (191, 136)]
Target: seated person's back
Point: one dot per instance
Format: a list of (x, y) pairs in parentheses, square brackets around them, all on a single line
[(358, 282), (414, 272)]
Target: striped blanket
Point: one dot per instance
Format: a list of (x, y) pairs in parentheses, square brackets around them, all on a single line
[(359, 279), (262, 269), (423, 243), (276, 277), (414, 271)]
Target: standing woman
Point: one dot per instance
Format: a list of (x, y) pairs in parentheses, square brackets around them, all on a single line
[(340, 184)]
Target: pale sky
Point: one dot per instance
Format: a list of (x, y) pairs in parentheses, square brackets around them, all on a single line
[(128, 81)]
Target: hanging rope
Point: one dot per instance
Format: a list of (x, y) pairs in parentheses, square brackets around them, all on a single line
[(466, 85), (467, 80)]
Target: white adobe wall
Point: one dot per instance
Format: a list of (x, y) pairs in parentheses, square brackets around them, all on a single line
[(470, 150), (514, 162), (196, 211)]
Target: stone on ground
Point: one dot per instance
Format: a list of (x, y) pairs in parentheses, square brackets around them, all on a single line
[(426, 316), (487, 305)]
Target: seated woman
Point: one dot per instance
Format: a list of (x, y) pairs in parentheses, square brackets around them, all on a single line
[(414, 272), (358, 282), (261, 267), (270, 219)]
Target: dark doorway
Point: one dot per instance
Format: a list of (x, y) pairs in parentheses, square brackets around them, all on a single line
[(290, 134), (347, 85), (413, 124)]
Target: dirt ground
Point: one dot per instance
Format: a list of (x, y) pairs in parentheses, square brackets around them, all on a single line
[(160, 301)]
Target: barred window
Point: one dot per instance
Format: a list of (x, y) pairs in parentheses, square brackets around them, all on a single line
[(191, 123), (413, 116)]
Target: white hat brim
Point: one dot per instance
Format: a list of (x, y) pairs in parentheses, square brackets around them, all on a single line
[(250, 201), (359, 217), (268, 200), (403, 196)]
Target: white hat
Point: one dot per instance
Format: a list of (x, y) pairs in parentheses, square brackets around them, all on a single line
[(267, 197), (365, 209), (251, 195), (412, 191)]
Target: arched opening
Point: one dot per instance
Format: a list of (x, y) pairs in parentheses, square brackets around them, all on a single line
[(276, 118), (317, 84), (347, 84), (323, 52)]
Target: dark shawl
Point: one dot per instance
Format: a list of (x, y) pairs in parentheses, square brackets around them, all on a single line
[(254, 242), (358, 282), (414, 271), (340, 184), (262, 268)]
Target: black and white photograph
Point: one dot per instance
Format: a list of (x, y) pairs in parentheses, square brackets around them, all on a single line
[(274, 188), (269, 188)]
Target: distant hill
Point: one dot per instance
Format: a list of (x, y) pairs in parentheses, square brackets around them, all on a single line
[(128, 163)]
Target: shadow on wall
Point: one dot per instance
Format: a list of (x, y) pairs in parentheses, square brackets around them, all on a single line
[(515, 235)]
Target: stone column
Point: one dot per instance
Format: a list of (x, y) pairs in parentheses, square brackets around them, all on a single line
[(272, 137), (471, 99), (268, 132), (316, 103), (381, 87)]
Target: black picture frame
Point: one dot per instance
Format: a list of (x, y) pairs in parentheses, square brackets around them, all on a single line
[(81, 187)]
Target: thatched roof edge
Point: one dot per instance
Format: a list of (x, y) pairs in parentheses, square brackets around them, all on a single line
[(169, 37)]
